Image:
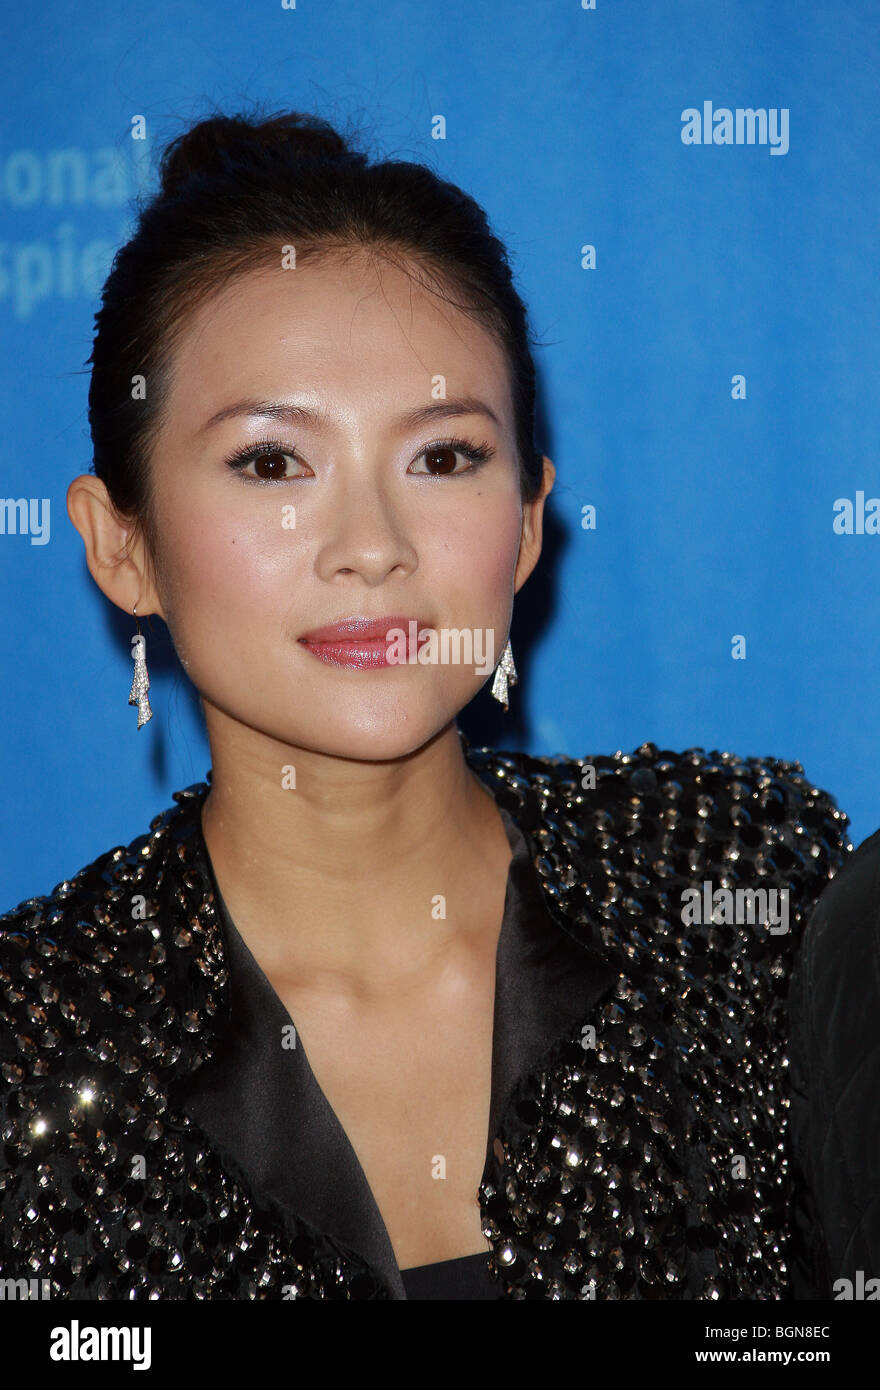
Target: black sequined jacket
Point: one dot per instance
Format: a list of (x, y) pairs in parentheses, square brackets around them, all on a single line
[(642, 1150)]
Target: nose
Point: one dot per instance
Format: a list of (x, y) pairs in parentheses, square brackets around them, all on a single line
[(366, 537)]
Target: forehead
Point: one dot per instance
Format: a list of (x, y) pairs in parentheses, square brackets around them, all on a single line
[(353, 329)]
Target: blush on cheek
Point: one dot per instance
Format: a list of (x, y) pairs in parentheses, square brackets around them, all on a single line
[(239, 576), (208, 552), (206, 577), (490, 554)]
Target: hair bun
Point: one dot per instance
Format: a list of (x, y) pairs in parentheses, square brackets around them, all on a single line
[(216, 144)]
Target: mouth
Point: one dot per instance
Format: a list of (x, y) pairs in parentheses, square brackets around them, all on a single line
[(363, 643)]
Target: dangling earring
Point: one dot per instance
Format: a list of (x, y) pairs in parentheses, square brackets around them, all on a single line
[(141, 681), (505, 671)]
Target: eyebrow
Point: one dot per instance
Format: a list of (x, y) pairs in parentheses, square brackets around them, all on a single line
[(303, 415)]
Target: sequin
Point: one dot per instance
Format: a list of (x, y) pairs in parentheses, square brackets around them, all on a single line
[(650, 1166)]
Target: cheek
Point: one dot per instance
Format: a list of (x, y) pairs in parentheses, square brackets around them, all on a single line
[(482, 552), (219, 573)]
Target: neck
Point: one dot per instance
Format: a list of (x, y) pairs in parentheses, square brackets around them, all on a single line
[(344, 874)]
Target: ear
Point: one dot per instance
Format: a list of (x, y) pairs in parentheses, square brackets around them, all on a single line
[(117, 555), (533, 528)]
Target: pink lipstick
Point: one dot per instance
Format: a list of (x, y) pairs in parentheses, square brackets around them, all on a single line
[(360, 643)]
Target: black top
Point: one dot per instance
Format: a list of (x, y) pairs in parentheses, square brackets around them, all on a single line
[(257, 1015), (469, 1277), (635, 1049), (835, 1082)]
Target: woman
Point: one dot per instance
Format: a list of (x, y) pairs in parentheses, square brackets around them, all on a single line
[(835, 1081), (253, 1054)]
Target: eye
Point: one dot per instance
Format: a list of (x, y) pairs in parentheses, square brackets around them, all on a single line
[(270, 461), (440, 457)]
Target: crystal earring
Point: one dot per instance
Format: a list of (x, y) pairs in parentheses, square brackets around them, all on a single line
[(505, 671), (141, 681)]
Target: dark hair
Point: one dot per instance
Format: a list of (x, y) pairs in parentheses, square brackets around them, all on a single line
[(234, 190)]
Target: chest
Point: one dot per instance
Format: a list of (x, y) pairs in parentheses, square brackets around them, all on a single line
[(410, 1082)]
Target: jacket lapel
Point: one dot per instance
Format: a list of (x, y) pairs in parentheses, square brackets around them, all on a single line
[(259, 1101)]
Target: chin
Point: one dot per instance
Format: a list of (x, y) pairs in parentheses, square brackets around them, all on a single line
[(374, 740), (379, 730)]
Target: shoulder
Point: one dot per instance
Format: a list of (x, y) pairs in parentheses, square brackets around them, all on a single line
[(842, 943), (669, 858), (96, 925), (767, 806), (851, 902), (834, 1001), (107, 871)]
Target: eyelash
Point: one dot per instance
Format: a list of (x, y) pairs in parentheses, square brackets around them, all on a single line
[(477, 453)]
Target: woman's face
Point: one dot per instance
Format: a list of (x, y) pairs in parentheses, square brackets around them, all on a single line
[(353, 515)]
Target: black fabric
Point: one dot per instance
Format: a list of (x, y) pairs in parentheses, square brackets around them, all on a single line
[(688, 1067), (469, 1277), (834, 1004), (262, 1104)]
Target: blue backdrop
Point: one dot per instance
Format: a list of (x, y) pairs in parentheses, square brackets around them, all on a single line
[(708, 374)]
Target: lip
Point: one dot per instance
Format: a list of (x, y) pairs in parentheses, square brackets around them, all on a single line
[(359, 643), (358, 629)]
